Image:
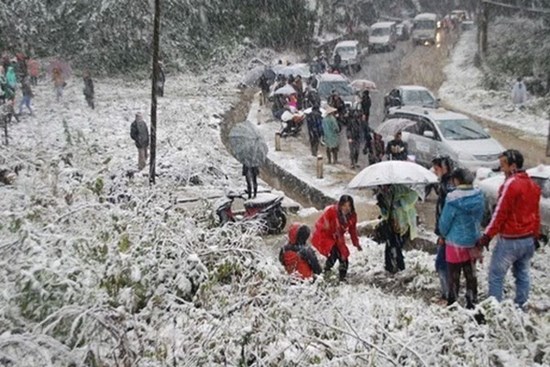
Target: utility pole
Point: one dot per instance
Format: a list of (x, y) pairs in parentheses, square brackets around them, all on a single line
[(153, 157), (483, 29)]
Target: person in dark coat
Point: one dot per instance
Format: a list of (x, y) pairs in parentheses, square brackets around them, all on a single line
[(365, 109), (337, 61), (27, 95), (251, 176), (353, 131), (263, 83), (442, 167), (377, 149), (140, 135), (397, 149), (89, 89), (297, 257), (315, 129)]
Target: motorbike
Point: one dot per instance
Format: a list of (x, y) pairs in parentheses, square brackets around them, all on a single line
[(269, 214), (291, 124)]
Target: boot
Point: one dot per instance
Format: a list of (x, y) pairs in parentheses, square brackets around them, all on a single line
[(343, 270), (335, 155)]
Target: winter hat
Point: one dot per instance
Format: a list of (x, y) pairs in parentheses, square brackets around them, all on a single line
[(293, 233), (303, 235)]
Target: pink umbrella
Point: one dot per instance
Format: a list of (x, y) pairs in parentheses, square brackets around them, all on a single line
[(63, 66)]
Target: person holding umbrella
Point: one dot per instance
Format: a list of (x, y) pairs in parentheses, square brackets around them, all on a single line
[(251, 176), (353, 131), (315, 129), (397, 205), (328, 237), (397, 149), (331, 133)]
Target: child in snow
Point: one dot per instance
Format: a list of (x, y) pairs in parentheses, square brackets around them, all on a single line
[(297, 257)]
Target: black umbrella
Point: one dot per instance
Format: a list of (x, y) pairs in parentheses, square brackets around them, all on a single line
[(247, 144)]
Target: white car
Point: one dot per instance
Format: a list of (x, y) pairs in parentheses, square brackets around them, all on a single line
[(351, 54), (383, 36), (434, 132), (425, 29), (491, 184), (410, 95), (326, 83)]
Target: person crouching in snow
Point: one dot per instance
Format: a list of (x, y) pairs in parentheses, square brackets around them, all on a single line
[(330, 229), (460, 225), (297, 257)]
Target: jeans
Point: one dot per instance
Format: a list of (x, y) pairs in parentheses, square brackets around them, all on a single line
[(334, 256), (25, 101), (58, 93), (515, 253)]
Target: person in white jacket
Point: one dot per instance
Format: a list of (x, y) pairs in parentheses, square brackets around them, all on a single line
[(519, 93)]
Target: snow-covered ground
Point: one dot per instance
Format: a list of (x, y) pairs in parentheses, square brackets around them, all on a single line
[(462, 90), (98, 268)]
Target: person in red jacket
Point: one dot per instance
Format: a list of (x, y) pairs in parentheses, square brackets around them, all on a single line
[(516, 219), (330, 229), (296, 256)]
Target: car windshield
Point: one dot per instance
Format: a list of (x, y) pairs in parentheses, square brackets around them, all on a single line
[(377, 32), (464, 129), (346, 51), (418, 97), (424, 24), (342, 88)]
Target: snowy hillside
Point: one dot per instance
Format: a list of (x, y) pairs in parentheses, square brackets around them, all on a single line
[(98, 268)]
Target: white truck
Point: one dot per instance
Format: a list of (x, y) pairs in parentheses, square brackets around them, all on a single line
[(425, 29)]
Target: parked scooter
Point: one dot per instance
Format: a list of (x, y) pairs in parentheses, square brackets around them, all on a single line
[(291, 124), (268, 214)]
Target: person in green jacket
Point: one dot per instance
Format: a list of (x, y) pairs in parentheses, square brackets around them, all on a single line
[(331, 135), (11, 77)]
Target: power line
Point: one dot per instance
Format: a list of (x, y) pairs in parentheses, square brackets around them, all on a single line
[(517, 7)]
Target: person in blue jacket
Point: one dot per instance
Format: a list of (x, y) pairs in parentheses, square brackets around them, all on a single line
[(460, 225)]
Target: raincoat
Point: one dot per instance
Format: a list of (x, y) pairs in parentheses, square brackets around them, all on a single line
[(330, 229), (460, 221), (331, 131), (519, 93), (11, 78), (296, 256), (403, 210)]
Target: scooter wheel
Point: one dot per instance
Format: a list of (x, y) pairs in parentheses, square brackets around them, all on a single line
[(277, 222)]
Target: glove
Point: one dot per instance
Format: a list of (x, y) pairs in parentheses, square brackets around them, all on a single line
[(359, 248), (537, 244), (484, 241)]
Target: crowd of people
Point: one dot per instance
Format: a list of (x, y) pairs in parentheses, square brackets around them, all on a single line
[(461, 240)]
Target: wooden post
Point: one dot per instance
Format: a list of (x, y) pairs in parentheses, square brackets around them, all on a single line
[(277, 141), (319, 166), (258, 113), (6, 130), (153, 155), (548, 139)]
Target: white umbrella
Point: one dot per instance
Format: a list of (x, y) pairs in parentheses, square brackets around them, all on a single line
[(391, 173), (363, 84), (287, 90), (392, 126)]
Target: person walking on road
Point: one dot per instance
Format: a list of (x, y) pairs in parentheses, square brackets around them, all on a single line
[(58, 83), (27, 95), (365, 109), (328, 237), (89, 93), (442, 166), (140, 135), (516, 221), (337, 61), (251, 176), (397, 149), (315, 129), (460, 225), (263, 83), (353, 131), (33, 67), (331, 135), (297, 257)]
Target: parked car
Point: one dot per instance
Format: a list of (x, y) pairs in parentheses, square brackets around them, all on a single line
[(383, 36), (326, 83), (440, 132), (351, 54), (410, 95), (467, 25), (491, 185), (402, 32), (425, 29)]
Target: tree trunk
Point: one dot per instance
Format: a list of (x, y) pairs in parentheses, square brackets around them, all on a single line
[(153, 156)]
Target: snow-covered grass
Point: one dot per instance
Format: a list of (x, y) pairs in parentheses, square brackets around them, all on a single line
[(463, 90), (97, 268)]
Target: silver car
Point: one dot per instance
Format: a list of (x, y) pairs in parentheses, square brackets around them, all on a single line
[(434, 132)]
